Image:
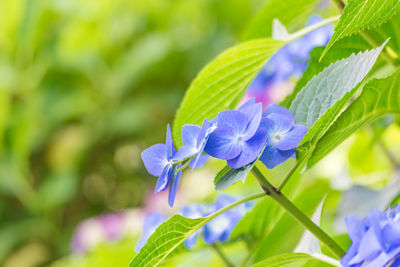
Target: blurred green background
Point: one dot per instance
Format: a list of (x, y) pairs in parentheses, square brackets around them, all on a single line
[(85, 86)]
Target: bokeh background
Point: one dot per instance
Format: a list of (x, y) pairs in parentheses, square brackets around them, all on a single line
[(85, 86)]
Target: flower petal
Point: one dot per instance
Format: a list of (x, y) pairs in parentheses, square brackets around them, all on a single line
[(176, 177), (190, 132), (292, 138), (169, 142), (198, 161), (184, 152), (273, 108), (254, 114), (221, 145), (246, 104), (163, 181), (391, 233), (272, 156), (205, 131), (355, 228), (250, 150), (155, 159), (235, 119), (282, 124)]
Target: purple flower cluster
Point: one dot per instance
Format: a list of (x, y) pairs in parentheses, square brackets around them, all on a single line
[(375, 240), (218, 229), (237, 136), (290, 61)]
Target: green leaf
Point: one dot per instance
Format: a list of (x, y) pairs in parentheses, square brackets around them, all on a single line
[(322, 100), (228, 176), (292, 13), (359, 15), (379, 97), (169, 235), (343, 49), (222, 83), (286, 259)]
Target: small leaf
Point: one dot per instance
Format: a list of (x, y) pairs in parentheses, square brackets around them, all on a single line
[(221, 84), (228, 176), (359, 15)]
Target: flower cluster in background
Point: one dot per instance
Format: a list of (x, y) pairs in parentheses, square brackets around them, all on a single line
[(237, 136), (217, 230), (375, 240), (290, 61)]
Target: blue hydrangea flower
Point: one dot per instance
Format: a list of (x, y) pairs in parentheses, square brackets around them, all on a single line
[(152, 221), (283, 135), (220, 228), (375, 240), (290, 61), (194, 139), (193, 211), (158, 161), (238, 137)]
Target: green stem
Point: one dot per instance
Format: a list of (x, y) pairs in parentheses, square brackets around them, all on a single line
[(290, 174), (310, 28), (297, 214), (223, 257)]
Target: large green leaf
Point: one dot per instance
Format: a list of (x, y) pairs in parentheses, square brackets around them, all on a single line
[(287, 259), (359, 15), (222, 83), (169, 235), (292, 13), (343, 49), (379, 97)]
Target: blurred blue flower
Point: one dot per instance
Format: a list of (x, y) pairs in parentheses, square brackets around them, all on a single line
[(194, 139), (158, 162), (238, 137), (291, 60), (152, 221), (220, 228), (375, 240), (194, 211), (283, 135)]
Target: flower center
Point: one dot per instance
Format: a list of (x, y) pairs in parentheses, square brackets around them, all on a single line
[(276, 138)]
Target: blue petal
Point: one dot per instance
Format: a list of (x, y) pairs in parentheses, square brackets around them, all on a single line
[(235, 119), (248, 103), (251, 149), (184, 152), (391, 233), (355, 228), (155, 159), (351, 252), (282, 124), (174, 188), (369, 247), (199, 161), (254, 114), (190, 132), (204, 133), (163, 181), (273, 108), (221, 145), (169, 142), (272, 156), (292, 138)]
